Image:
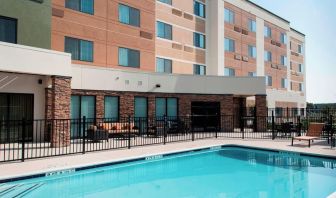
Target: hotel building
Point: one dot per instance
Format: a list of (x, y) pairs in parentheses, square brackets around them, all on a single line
[(113, 58)]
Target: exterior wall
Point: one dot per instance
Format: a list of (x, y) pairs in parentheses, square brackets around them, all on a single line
[(106, 32), (33, 21), (127, 101), (239, 60), (181, 48)]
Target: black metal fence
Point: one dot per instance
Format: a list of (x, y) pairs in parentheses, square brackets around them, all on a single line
[(28, 139)]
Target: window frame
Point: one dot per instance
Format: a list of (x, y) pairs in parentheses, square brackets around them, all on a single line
[(269, 80), (268, 33), (165, 2), (252, 28), (128, 58), (166, 106), (79, 48), (230, 69), (164, 65), (80, 7), (118, 103), (283, 60), (198, 45), (198, 8), (254, 51), (16, 27), (129, 15), (231, 15), (284, 83), (269, 56), (197, 67), (283, 38), (170, 37), (231, 45)]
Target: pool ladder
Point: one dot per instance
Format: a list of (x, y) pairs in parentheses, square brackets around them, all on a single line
[(17, 190)]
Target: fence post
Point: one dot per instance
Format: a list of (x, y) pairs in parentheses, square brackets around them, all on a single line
[(332, 140), (287, 114), (192, 128), (83, 131), (299, 125), (23, 134), (218, 125), (164, 129), (273, 126), (129, 130)]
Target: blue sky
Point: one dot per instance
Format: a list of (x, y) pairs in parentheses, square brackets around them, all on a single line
[(317, 20)]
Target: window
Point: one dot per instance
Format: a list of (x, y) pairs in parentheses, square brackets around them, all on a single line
[(268, 56), (229, 72), (129, 57), (85, 6), (283, 60), (300, 87), (140, 107), (229, 45), (291, 85), (252, 25), (166, 107), (269, 80), (164, 30), (111, 107), (199, 40), (199, 9), (129, 15), (169, 2), (300, 49), (229, 16), (300, 67), (284, 83), (291, 65), (163, 65), (251, 74), (252, 51), (278, 111), (267, 32), (199, 70), (283, 38), (79, 49), (8, 30)]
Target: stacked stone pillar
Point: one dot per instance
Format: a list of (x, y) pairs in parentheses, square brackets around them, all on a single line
[(58, 99), (261, 112)]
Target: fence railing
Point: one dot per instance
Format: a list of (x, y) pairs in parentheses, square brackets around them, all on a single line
[(28, 139)]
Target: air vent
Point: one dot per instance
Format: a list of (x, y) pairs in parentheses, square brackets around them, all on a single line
[(146, 35), (273, 42), (274, 66), (237, 29), (188, 49), (188, 16), (245, 59), (57, 12), (237, 56), (244, 32), (177, 46), (176, 12)]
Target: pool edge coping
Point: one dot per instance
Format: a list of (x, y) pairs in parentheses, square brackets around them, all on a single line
[(79, 167)]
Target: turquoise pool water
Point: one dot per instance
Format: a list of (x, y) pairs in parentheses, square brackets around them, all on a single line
[(221, 172)]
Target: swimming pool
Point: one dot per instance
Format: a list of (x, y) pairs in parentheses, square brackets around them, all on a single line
[(215, 172)]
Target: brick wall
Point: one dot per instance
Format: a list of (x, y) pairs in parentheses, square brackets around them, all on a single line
[(261, 112)]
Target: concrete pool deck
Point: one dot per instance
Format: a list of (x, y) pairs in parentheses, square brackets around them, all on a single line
[(51, 164)]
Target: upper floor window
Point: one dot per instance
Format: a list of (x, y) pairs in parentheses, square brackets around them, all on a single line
[(199, 9), (8, 29), (300, 87), (300, 49), (80, 49), (284, 83), (267, 32), (268, 56), (268, 80), (85, 6), (199, 40), (283, 60), (199, 70), (291, 65), (163, 65), (129, 57), (129, 15), (252, 51), (229, 71), (166, 1), (300, 68), (252, 74), (283, 38), (164, 30), (252, 25), (229, 16), (229, 45)]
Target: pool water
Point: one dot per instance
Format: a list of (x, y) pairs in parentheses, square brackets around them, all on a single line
[(223, 172)]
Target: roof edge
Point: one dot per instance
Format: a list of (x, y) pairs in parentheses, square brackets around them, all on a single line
[(298, 32)]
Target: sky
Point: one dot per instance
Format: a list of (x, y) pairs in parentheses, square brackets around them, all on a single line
[(317, 20)]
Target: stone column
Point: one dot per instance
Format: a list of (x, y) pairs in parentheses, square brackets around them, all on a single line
[(261, 112), (58, 99)]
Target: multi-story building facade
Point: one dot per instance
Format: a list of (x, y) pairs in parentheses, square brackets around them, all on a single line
[(147, 58)]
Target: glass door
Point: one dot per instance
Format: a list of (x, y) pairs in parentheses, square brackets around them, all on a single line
[(140, 113)]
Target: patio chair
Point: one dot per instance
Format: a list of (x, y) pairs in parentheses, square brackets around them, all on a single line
[(314, 132)]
